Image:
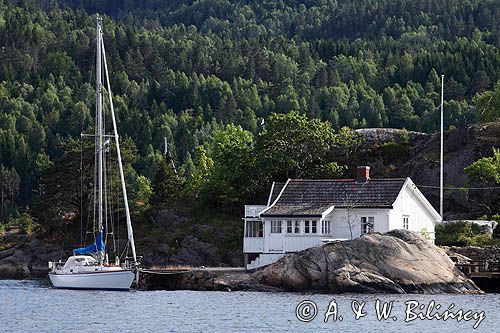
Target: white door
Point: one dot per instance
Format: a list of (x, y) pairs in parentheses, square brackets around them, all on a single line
[(276, 238)]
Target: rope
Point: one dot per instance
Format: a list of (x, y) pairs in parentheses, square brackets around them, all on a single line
[(461, 188), (111, 202), (81, 188), (105, 172)]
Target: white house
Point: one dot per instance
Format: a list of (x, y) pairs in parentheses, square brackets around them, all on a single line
[(304, 213)]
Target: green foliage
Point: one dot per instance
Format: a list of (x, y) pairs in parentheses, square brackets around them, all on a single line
[(67, 186), (405, 137), (234, 177), (290, 144), (144, 190), (185, 69), (348, 142), (167, 185), (25, 223), (425, 233), (9, 191), (203, 168), (488, 104), (461, 233), (241, 166), (327, 171), (486, 169), (392, 151)]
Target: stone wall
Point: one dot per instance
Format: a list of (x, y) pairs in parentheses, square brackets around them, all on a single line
[(474, 252)]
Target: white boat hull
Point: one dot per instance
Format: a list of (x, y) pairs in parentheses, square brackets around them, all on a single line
[(104, 280)]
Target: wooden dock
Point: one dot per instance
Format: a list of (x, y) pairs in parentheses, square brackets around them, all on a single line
[(484, 273)]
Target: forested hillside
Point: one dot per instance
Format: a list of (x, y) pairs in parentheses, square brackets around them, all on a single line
[(185, 69)]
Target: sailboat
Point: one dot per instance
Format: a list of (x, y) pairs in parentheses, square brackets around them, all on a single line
[(89, 267)]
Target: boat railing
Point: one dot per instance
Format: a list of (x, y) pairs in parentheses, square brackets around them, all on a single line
[(56, 265), (130, 263)]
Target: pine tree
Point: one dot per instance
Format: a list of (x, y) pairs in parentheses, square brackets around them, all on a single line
[(166, 184)]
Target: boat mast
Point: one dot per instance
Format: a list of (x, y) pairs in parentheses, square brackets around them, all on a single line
[(119, 157), (99, 135)]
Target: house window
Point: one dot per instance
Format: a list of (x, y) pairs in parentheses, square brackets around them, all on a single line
[(406, 222), (276, 227), (367, 223), (326, 227), (254, 229), (310, 227), (314, 227), (292, 227)]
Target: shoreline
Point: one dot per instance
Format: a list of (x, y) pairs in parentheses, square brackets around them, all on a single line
[(266, 290), (395, 262)]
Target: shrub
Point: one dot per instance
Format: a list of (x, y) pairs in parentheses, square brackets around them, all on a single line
[(391, 151), (461, 234), (25, 223)]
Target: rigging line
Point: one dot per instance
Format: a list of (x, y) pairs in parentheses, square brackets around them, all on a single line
[(462, 188), (109, 196), (95, 175), (111, 201), (105, 170), (105, 175), (81, 189), (125, 250), (118, 221)]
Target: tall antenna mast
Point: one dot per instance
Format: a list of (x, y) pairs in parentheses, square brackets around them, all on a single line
[(99, 135), (441, 155)]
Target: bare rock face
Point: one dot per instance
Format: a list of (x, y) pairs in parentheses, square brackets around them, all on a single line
[(24, 256), (382, 135), (195, 252), (398, 261)]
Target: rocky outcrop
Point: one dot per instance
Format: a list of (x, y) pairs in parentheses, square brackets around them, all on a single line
[(23, 256), (196, 253), (202, 279), (187, 241), (462, 147), (473, 252), (396, 262), (376, 136)]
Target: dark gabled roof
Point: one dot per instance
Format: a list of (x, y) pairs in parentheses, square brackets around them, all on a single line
[(275, 190), (313, 197)]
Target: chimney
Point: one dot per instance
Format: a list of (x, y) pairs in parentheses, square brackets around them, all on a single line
[(363, 173)]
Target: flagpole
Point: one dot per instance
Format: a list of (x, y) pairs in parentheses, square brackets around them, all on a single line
[(441, 154)]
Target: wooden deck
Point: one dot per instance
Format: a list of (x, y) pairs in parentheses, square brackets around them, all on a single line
[(480, 268), (484, 273)]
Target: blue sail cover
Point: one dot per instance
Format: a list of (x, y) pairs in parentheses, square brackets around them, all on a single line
[(94, 247)]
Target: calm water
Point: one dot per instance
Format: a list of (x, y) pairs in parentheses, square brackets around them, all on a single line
[(34, 306)]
